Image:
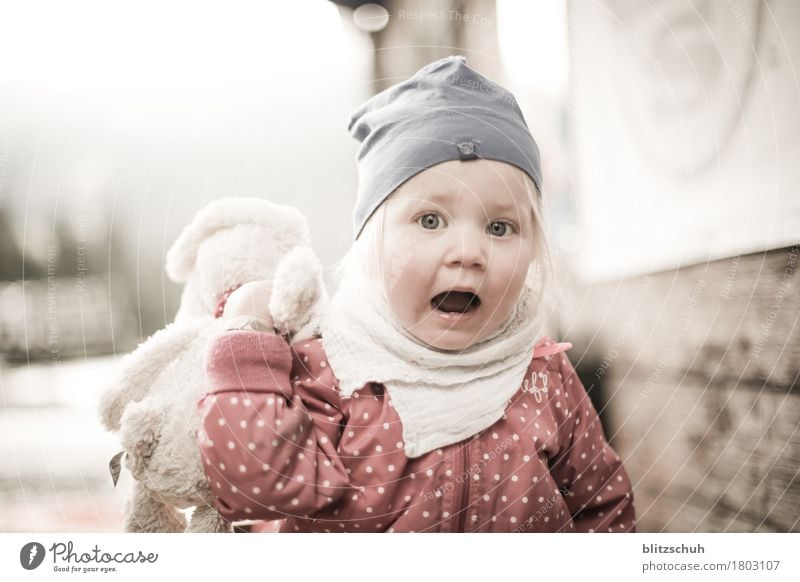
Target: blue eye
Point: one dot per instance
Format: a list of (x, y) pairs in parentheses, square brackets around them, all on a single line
[(504, 227), (429, 221)]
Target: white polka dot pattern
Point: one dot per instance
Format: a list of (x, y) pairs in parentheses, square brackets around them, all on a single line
[(280, 444)]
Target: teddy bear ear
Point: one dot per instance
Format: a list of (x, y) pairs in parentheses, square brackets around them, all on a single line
[(226, 213)]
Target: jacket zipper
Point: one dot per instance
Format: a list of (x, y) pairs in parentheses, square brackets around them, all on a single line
[(463, 498)]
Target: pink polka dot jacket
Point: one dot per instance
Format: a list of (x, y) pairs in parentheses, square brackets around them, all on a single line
[(280, 443)]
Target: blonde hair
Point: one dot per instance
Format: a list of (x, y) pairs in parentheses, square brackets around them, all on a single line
[(365, 257)]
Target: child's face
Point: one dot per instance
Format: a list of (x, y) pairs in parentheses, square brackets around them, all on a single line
[(463, 226)]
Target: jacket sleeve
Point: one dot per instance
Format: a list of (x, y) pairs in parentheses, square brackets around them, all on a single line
[(590, 473), (265, 455)]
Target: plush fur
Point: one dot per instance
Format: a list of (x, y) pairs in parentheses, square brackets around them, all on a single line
[(152, 403)]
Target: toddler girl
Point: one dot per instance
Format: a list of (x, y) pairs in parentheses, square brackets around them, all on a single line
[(428, 400)]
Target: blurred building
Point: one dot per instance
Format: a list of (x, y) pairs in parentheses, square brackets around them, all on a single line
[(686, 130)]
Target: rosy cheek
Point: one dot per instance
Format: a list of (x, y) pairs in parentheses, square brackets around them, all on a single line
[(398, 260)]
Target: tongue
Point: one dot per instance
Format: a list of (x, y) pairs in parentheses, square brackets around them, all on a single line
[(455, 301)]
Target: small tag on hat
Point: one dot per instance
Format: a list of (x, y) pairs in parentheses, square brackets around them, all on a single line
[(466, 149)]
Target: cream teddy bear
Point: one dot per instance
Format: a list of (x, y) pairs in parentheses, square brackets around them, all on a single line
[(152, 405)]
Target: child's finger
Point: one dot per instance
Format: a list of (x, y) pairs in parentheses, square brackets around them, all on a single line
[(249, 299)]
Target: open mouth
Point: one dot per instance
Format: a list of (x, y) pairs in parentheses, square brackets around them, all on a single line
[(456, 302)]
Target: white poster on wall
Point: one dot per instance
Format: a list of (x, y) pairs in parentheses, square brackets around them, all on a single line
[(686, 127)]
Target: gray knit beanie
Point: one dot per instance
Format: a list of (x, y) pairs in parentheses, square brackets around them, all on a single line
[(446, 111)]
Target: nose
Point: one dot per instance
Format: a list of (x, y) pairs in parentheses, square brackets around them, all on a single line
[(467, 249)]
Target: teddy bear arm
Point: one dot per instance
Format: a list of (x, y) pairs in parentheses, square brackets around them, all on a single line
[(141, 368), (298, 292)]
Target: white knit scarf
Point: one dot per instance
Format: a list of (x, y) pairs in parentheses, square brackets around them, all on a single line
[(441, 397)]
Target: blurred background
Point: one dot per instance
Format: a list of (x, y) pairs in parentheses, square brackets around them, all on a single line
[(670, 134)]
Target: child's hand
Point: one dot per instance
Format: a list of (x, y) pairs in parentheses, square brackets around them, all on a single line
[(250, 301)]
